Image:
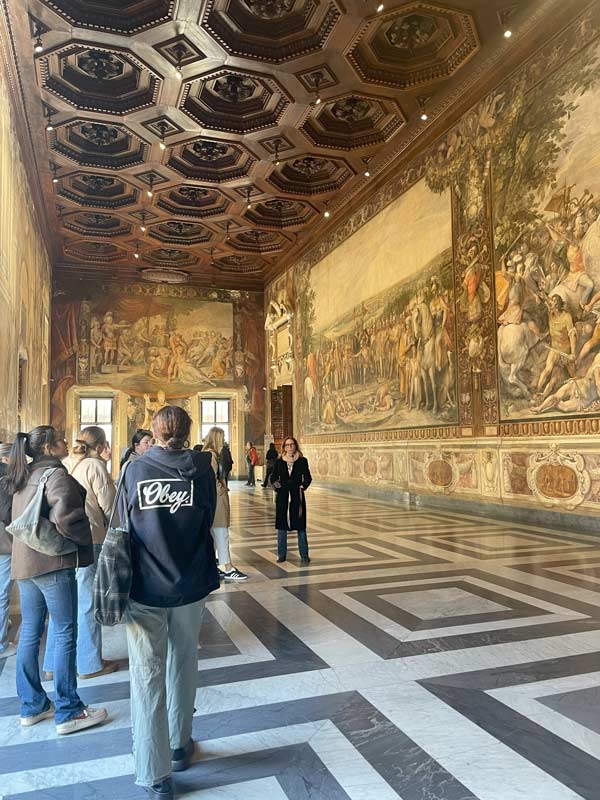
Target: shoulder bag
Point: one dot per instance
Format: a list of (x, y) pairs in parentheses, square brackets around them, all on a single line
[(35, 530), (112, 583)]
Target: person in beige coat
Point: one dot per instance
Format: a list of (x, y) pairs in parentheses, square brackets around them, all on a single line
[(89, 470), (213, 443)]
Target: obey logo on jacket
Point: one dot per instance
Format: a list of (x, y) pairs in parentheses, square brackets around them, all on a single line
[(165, 493)]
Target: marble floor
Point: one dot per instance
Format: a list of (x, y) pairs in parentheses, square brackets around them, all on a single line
[(422, 655)]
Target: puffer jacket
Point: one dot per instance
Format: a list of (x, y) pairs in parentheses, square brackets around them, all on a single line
[(92, 474), (64, 505)]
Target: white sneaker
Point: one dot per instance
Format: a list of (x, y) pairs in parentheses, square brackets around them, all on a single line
[(9, 650), (87, 719), (27, 722)]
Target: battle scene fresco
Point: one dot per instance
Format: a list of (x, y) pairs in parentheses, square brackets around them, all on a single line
[(545, 177), (137, 343), (378, 350)]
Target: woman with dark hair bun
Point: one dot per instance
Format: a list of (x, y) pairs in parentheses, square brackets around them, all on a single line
[(141, 442), (290, 479), (89, 470), (171, 500), (47, 583)]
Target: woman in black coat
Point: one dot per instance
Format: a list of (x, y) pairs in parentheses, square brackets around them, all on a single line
[(290, 478)]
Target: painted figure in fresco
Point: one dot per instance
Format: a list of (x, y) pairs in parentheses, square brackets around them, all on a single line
[(96, 345), (178, 351), (151, 407), (577, 394), (563, 344), (476, 292), (110, 332), (591, 309)]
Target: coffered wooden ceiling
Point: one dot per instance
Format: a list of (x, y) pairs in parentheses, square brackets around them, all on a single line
[(245, 119)]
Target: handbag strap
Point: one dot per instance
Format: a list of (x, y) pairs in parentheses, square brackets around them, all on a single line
[(46, 474), (120, 491)]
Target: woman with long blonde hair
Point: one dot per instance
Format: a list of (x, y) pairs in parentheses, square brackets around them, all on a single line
[(89, 470), (213, 443)]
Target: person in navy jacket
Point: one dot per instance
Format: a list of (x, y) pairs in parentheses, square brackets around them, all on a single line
[(171, 499)]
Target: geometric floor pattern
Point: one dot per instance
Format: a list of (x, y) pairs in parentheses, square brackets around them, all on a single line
[(422, 655)]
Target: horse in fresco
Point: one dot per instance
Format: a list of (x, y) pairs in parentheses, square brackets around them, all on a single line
[(515, 342)]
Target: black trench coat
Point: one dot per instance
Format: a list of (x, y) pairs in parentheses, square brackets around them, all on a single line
[(290, 494)]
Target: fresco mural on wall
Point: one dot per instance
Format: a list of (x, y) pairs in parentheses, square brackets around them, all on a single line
[(375, 321), (545, 173), (135, 343)]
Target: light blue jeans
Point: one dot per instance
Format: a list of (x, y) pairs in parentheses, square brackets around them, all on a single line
[(89, 632), (5, 584), (163, 674), (55, 593)]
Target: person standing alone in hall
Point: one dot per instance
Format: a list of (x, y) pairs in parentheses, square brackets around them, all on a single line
[(251, 462), (290, 479), (270, 459)]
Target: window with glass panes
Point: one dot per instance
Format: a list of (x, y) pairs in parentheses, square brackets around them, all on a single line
[(214, 412), (97, 411)]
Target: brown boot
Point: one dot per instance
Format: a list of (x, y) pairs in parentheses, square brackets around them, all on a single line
[(108, 667)]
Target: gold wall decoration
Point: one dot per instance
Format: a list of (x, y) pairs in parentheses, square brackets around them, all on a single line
[(558, 479)]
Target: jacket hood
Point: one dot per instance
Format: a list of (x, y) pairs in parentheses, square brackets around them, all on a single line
[(190, 463)]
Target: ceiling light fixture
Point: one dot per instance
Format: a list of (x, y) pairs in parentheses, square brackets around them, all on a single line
[(507, 33), (424, 117), (276, 144), (38, 46), (248, 200), (178, 72), (54, 169), (48, 114), (366, 161), (150, 191), (317, 83), (228, 236), (143, 225), (137, 249), (326, 212), (380, 8)]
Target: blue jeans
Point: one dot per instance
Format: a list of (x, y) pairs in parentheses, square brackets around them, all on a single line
[(163, 674), (282, 544), (89, 632), (5, 584), (56, 593)]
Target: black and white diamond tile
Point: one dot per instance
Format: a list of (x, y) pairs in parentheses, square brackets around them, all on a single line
[(421, 655)]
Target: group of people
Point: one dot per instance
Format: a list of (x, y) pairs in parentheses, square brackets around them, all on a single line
[(174, 501)]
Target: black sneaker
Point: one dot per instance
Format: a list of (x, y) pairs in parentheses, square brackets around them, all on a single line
[(280, 559), (161, 791), (234, 575), (305, 560), (182, 757)]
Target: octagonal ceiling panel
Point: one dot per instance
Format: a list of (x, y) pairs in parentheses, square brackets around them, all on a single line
[(235, 101), (173, 231), (270, 30), (100, 252), (211, 160), (193, 201), (95, 223), (93, 189), (280, 212), (257, 241), (353, 121), (96, 144), (95, 78), (118, 16), (309, 174), (170, 256), (239, 264), (418, 43)]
